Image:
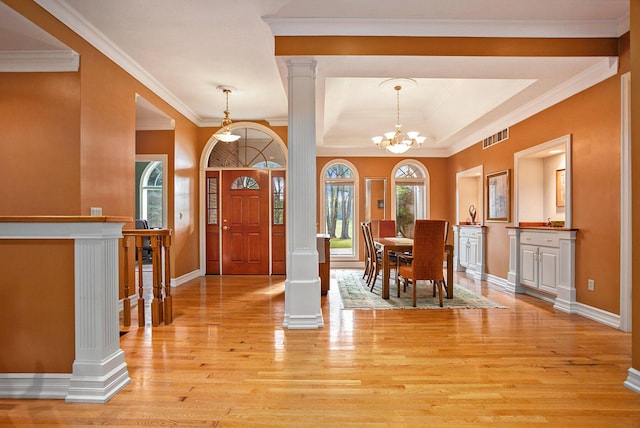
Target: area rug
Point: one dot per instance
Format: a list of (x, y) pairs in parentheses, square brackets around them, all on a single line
[(356, 295)]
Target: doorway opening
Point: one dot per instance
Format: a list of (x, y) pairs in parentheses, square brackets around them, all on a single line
[(244, 203)]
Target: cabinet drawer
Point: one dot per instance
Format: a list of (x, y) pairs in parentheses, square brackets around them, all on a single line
[(469, 232), (547, 239)]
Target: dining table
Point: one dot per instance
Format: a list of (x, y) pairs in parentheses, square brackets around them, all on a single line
[(389, 245)]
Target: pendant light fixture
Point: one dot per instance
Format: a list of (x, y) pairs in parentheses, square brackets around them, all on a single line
[(224, 134), (397, 141)]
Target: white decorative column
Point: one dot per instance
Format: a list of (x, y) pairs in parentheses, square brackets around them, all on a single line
[(513, 276), (566, 289), (302, 286), (99, 369), (456, 249)]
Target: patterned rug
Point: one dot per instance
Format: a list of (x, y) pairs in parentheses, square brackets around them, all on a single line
[(356, 295)]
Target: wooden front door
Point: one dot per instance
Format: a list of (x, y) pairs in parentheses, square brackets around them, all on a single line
[(245, 222)]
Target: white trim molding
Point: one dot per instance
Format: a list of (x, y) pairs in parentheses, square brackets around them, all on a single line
[(39, 61), (99, 370), (633, 380)]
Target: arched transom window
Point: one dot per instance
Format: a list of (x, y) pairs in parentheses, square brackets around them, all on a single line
[(254, 149)]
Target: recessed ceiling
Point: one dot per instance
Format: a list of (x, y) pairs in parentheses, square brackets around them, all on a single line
[(184, 50)]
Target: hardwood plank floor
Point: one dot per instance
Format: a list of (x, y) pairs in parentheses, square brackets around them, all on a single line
[(226, 361)]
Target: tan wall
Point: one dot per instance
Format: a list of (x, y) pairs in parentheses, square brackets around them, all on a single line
[(97, 127), (592, 117), (37, 306), (40, 144)]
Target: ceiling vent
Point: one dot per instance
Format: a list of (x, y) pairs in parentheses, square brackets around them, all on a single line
[(495, 138)]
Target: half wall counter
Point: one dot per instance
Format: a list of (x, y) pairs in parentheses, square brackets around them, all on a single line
[(59, 318)]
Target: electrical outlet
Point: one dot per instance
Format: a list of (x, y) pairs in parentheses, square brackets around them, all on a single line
[(591, 285)]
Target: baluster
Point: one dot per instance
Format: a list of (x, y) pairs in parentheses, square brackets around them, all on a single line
[(168, 305), (141, 319), (156, 303)]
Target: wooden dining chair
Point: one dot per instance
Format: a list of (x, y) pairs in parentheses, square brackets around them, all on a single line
[(375, 258), (368, 261), (427, 258)]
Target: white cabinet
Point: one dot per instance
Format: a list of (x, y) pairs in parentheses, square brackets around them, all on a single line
[(469, 250), (539, 267), (542, 263)]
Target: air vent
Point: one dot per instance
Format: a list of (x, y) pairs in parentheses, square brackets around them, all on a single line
[(496, 138)]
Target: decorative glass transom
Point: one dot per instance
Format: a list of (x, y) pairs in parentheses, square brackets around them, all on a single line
[(245, 182)]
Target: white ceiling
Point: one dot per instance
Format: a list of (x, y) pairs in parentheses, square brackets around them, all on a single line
[(183, 50)]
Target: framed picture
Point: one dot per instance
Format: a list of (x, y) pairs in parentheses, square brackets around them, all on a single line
[(560, 186), (498, 207), (380, 203)]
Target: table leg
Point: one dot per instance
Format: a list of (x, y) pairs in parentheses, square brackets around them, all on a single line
[(449, 254), (385, 273)]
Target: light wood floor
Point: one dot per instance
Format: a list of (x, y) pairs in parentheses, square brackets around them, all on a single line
[(226, 361)]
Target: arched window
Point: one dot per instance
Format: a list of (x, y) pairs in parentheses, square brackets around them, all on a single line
[(339, 207), (151, 194), (410, 198), (254, 149)]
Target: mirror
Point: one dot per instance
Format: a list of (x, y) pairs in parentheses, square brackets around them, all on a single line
[(469, 196), (375, 201)]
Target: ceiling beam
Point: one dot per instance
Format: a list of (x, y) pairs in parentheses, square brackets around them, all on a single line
[(446, 46)]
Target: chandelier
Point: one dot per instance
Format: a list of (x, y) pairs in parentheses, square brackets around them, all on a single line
[(225, 134), (397, 141)]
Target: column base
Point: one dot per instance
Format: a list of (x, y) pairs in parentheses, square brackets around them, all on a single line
[(98, 382), (633, 380)]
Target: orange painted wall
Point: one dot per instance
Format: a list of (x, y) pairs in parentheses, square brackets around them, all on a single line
[(592, 117), (102, 157), (40, 144), (37, 321), (107, 136)]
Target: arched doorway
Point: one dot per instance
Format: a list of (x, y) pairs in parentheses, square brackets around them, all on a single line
[(243, 198)]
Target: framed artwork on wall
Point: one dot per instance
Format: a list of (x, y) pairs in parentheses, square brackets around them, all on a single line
[(560, 185), (498, 204)]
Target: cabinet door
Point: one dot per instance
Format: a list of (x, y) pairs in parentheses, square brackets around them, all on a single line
[(529, 265), (463, 254), (473, 252), (548, 269)]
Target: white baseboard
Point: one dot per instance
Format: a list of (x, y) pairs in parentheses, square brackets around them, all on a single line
[(595, 314), (496, 280), (34, 385), (633, 380), (603, 317), (176, 282)]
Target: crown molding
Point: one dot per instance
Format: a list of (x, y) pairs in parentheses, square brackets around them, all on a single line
[(155, 124), (69, 17), (39, 61), (418, 27), (278, 121)]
